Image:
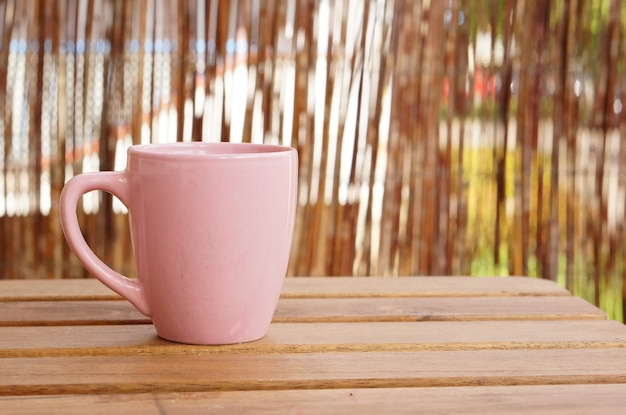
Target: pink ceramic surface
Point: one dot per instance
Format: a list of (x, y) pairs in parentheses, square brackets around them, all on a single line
[(211, 225)]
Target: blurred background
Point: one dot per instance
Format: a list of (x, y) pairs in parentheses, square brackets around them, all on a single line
[(436, 137)]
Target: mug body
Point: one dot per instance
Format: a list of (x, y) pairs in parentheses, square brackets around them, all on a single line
[(212, 226)]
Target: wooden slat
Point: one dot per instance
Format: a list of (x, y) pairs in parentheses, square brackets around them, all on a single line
[(436, 309), (310, 287), (206, 372), (337, 287), (136, 340), (69, 313), (598, 399), (58, 290), (322, 310)]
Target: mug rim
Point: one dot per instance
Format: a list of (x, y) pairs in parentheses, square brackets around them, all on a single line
[(200, 149)]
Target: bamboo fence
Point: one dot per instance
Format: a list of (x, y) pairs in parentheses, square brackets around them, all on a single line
[(480, 137)]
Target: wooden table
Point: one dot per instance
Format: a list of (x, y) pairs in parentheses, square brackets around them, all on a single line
[(337, 345)]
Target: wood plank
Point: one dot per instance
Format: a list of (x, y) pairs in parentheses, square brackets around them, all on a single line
[(320, 337), (436, 309), (321, 310), (597, 399), (346, 287), (206, 372), (59, 290), (310, 287), (41, 313)]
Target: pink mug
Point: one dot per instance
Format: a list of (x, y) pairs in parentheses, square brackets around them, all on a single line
[(211, 226)]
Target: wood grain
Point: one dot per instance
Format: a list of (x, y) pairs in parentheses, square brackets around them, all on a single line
[(340, 287), (336, 345), (435, 309), (598, 399), (142, 339), (322, 310), (42, 313), (310, 287), (206, 372)]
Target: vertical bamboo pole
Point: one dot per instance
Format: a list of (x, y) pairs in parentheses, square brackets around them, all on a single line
[(443, 260), (340, 48), (64, 137), (391, 203), (25, 178), (525, 62), (411, 131), (57, 160), (113, 131), (606, 95), (9, 258), (377, 68), (537, 207), (560, 61), (430, 104), (40, 241), (302, 132), (500, 154), (323, 84), (181, 80), (337, 94), (225, 9), (570, 122), (459, 263), (621, 276)]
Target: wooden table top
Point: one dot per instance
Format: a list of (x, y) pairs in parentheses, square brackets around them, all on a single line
[(336, 345)]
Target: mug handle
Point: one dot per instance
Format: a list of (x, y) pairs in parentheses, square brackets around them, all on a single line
[(115, 183)]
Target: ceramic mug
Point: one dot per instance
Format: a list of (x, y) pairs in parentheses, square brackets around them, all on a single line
[(211, 227)]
